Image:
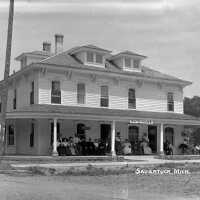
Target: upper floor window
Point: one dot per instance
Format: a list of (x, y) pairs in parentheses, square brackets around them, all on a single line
[(104, 96), (136, 63), (127, 62), (32, 93), (99, 58), (56, 92), (11, 135), (93, 57), (170, 101), (90, 56), (32, 134), (81, 93), (131, 99), (15, 99)]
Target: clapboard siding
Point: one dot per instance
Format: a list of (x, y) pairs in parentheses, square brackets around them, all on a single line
[(44, 91), (149, 97), (23, 87)]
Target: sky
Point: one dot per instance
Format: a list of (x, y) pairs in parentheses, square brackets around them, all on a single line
[(166, 31)]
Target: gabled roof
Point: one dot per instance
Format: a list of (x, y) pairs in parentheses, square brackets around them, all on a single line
[(68, 61), (43, 54), (88, 47)]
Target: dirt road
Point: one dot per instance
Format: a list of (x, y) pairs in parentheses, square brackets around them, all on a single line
[(151, 187)]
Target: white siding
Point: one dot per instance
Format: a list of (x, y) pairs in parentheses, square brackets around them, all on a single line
[(44, 91), (23, 87), (149, 97)]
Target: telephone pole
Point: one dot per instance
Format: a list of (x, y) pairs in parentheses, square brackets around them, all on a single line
[(6, 76)]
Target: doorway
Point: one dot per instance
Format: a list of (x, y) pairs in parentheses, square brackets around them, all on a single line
[(152, 135), (105, 132), (133, 136)]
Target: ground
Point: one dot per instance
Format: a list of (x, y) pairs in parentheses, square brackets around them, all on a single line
[(124, 186)]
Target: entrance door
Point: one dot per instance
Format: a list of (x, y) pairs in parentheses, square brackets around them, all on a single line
[(105, 132), (133, 136), (152, 135)]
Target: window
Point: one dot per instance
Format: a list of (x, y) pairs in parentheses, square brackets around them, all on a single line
[(170, 101), (11, 135), (81, 93), (32, 93), (127, 62), (90, 57), (136, 63), (131, 99), (32, 135), (55, 92), (99, 58), (15, 100), (104, 96)]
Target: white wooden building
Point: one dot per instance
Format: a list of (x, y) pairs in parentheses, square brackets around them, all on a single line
[(57, 93)]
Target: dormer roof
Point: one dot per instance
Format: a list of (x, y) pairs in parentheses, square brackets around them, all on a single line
[(42, 54), (88, 47), (129, 54)]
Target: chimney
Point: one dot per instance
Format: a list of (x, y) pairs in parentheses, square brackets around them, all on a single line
[(47, 46), (58, 43)]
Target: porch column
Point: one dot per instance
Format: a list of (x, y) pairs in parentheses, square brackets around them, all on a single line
[(161, 150), (54, 153), (113, 153)]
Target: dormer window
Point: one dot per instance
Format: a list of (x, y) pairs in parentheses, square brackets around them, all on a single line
[(90, 57), (136, 63), (127, 62), (95, 58), (99, 58)]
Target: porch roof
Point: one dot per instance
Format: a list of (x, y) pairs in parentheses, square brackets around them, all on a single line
[(80, 112)]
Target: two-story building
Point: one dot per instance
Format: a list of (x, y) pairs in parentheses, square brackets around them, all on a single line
[(87, 90)]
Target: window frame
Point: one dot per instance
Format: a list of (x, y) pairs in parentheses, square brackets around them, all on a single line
[(96, 56), (131, 101), (104, 99), (136, 63), (11, 137), (81, 95), (127, 66), (87, 57), (32, 135), (55, 95), (170, 101), (15, 99), (32, 93)]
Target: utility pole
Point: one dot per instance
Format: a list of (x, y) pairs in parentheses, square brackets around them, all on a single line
[(6, 76)]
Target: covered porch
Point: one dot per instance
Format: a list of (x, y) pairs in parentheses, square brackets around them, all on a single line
[(38, 129)]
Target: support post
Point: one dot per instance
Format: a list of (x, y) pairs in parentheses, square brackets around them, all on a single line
[(54, 153), (113, 152), (161, 150)]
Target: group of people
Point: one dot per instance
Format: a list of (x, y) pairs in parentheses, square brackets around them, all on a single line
[(73, 146)]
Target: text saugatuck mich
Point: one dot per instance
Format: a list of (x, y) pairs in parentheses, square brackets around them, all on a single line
[(174, 171)]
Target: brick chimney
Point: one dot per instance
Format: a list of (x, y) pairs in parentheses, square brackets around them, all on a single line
[(47, 46), (58, 43)]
